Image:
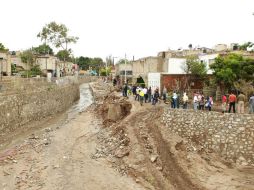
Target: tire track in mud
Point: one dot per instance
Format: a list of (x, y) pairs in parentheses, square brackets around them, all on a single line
[(172, 172)]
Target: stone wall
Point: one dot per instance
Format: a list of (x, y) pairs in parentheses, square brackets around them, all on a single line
[(230, 135), (19, 109)]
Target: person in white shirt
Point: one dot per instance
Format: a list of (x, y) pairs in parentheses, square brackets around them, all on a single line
[(195, 101), (174, 100), (145, 94), (137, 93), (185, 100)]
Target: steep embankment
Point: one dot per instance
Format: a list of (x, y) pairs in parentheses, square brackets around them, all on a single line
[(142, 146)]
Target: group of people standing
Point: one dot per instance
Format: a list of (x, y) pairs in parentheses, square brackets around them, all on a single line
[(199, 101), (142, 94), (240, 100)]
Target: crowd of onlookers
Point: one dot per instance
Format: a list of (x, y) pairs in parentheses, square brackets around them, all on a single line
[(231, 102), (142, 93), (237, 103)]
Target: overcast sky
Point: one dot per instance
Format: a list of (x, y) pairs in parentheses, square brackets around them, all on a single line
[(136, 27)]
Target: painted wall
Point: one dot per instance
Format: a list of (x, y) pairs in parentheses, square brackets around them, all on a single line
[(154, 81), (176, 65), (171, 82)]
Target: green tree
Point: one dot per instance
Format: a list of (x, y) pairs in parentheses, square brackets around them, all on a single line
[(245, 45), (43, 49), (97, 64), (28, 57), (247, 70), (194, 69), (232, 68), (57, 34), (35, 70), (122, 61), (63, 55), (13, 68), (105, 71), (84, 62), (2, 48)]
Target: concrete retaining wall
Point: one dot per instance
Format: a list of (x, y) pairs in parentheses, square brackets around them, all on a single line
[(21, 108), (230, 135)]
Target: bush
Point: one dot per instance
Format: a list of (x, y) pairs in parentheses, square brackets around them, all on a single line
[(35, 70)]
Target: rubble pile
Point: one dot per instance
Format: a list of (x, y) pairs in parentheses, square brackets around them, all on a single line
[(113, 141), (113, 144)]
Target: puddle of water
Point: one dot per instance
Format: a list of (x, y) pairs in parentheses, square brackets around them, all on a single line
[(86, 99)]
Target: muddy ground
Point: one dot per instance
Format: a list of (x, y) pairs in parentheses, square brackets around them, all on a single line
[(114, 144)]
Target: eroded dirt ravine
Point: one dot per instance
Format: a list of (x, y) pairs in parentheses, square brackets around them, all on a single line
[(171, 175), (59, 157)]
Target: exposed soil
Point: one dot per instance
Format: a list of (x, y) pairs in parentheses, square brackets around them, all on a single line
[(145, 149), (98, 148)]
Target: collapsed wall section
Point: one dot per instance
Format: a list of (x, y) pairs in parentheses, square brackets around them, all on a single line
[(21, 108), (230, 135)]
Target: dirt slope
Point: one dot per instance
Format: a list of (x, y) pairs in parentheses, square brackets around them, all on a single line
[(146, 150)]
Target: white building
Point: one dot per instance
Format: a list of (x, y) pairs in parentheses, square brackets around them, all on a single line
[(208, 59), (177, 65)]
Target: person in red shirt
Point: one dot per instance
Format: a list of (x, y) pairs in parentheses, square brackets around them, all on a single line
[(232, 100), (224, 103)]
